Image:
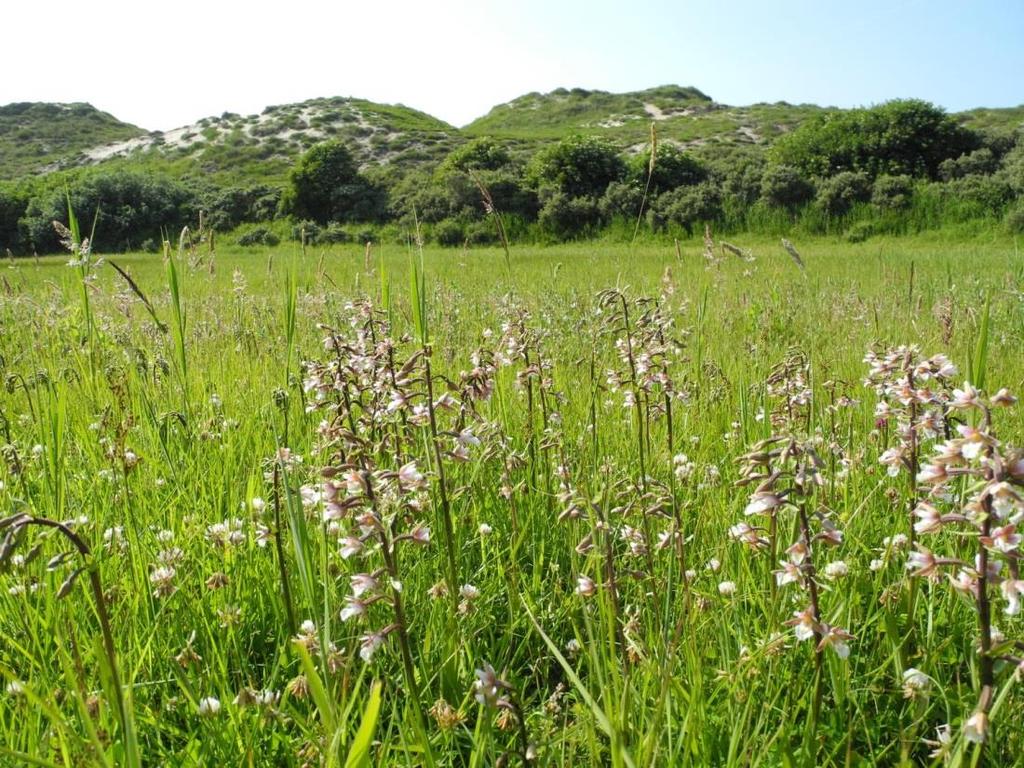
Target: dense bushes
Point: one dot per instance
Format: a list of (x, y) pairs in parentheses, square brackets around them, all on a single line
[(13, 203), (838, 194), (128, 209), (326, 185), (899, 137), (578, 167)]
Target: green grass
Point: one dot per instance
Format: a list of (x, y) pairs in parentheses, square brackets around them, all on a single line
[(35, 135), (206, 405)]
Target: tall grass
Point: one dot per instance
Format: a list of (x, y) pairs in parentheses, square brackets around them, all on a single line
[(578, 599)]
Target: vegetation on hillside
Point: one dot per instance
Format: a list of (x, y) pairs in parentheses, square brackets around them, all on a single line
[(36, 135), (551, 172)]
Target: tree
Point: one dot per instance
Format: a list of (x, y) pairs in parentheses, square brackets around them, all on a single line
[(672, 168), (128, 208), (579, 166), (483, 154), (909, 137), (12, 208), (325, 185)]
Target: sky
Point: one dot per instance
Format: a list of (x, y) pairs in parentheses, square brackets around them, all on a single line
[(161, 65)]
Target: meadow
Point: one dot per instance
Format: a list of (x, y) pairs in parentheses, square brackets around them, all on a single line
[(589, 504)]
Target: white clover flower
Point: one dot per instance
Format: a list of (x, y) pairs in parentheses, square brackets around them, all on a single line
[(837, 569), (585, 587), (976, 728), (209, 707)]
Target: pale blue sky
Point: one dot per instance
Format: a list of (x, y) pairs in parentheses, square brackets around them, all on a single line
[(168, 64)]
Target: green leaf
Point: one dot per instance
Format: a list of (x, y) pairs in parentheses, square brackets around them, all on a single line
[(359, 752), (979, 359)]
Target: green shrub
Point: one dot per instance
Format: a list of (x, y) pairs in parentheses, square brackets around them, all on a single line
[(481, 233), (979, 162), (688, 206), (783, 186), (579, 167), (622, 199), (1014, 220), (258, 236), (838, 194), (910, 137), (565, 216), (859, 232), (449, 232), (325, 185), (127, 207), (672, 168), (892, 193)]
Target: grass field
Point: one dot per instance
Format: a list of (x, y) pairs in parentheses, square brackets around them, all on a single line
[(342, 509)]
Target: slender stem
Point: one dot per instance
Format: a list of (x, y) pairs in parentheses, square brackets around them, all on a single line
[(446, 513), (279, 544)]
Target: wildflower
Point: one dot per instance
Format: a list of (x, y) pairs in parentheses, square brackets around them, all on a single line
[(965, 398), (893, 460), (915, 682), (307, 636), (351, 546), (209, 707), (943, 743), (921, 562), (484, 529), (468, 439), (362, 583), (368, 645), (928, 518), (762, 502), (1012, 590), (836, 570), (932, 474), (683, 467), (354, 609), (585, 587), (746, 534), (445, 715), (835, 638), (411, 478), (727, 588), (1003, 398), (162, 579), (298, 687), (1005, 539), (218, 580), (487, 686), (976, 727), (803, 624), (789, 574)]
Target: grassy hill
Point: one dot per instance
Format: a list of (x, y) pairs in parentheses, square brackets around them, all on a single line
[(682, 115), (34, 136), (234, 149)]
